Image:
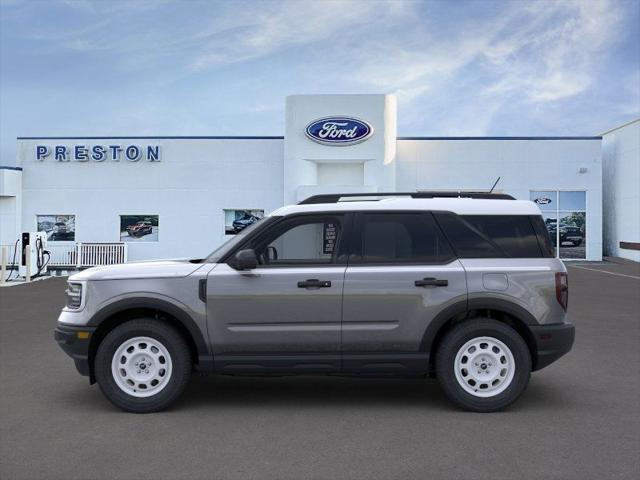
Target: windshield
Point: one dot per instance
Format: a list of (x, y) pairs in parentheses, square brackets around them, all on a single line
[(237, 239)]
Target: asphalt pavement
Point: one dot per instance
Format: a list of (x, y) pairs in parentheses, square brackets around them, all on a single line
[(579, 418)]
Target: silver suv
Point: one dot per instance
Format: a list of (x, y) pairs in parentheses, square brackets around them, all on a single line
[(461, 286)]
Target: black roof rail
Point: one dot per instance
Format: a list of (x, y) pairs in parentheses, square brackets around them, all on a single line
[(335, 197)]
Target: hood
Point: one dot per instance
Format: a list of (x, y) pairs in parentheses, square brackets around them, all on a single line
[(153, 269)]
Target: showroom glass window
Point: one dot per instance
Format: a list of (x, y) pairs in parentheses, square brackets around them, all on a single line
[(306, 240), (565, 216)]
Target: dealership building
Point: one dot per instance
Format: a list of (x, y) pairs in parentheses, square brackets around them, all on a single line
[(170, 196)]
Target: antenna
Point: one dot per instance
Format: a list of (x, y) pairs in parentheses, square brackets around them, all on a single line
[(494, 185)]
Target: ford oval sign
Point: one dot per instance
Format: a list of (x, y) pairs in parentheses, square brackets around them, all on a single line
[(338, 130), (542, 201)]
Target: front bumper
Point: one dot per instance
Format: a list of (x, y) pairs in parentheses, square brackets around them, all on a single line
[(75, 343), (552, 342)]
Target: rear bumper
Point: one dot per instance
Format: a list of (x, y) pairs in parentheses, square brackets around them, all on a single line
[(552, 342), (75, 345)]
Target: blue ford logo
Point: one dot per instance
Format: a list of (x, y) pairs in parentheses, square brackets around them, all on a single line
[(542, 200), (338, 130)]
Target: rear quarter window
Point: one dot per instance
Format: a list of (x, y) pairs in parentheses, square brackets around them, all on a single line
[(491, 236), (544, 240), (513, 234), (466, 240)]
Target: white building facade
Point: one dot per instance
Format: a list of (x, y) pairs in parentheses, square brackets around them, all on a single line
[(182, 196), (621, 187)]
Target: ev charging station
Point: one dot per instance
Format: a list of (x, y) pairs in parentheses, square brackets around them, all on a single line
[(34, 254)]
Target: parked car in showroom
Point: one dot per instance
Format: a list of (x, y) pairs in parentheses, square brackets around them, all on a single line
[(568, 234), (60, 231), (463, 287), (571, 234), (243, 222), (140, 228)]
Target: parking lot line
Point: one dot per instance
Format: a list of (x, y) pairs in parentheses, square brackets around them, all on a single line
[(604, 271)]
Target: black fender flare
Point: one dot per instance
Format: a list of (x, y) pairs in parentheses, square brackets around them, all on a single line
[(455, 309), (155, 304), (463, 307), (503, 305)]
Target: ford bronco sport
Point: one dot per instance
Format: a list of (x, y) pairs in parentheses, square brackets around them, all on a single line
[(139, 229), (243, 222), (464, 287)]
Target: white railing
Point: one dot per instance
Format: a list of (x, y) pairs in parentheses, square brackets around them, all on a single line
[(92, 254), (79, 255), (10, 249), (63, 255)]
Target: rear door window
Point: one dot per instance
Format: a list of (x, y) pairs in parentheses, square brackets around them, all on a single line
[(408, 238)]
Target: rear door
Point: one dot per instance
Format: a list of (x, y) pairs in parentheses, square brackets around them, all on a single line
[(401, 274)]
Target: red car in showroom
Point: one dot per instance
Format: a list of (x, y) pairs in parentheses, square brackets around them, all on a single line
[(139, 229)]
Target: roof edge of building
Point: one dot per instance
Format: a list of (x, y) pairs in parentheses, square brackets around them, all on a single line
[(620, 126), (268, 137), (160, 137), (591, 137)]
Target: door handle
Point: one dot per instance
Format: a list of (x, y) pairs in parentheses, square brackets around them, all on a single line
[(431, 282), (314, 283)]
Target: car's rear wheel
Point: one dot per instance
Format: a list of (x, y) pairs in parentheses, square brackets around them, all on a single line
[(143, 365), (483, 365)]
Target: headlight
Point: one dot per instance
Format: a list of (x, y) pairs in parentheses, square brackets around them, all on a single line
[(74, 295)]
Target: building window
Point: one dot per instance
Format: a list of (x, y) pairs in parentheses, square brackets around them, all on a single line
[(139, 228), (59, 228), (237, 220), (565, 216)]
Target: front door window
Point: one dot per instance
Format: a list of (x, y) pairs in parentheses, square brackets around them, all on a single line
[(307, 240)]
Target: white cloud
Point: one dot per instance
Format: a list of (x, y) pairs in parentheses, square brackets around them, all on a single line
[(329, 26), (541, 53), (554, 49), (455, 69)]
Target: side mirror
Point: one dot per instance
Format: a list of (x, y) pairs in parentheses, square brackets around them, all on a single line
[(244, 260)]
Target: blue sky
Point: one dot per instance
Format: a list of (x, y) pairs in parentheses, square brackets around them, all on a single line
[(224, 68)]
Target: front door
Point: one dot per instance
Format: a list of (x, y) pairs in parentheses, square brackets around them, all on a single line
[(401, 274), (285, 314)]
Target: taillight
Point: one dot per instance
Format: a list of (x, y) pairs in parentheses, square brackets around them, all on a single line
[(562, 289)]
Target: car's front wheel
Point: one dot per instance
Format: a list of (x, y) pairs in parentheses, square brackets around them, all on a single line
[(483, 365), (143, 365)]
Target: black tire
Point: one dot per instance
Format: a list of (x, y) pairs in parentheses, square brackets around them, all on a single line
[(454, 341), (177, 348)]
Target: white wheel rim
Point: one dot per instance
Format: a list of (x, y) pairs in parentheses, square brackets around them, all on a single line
[(141, 367), (484, 367)]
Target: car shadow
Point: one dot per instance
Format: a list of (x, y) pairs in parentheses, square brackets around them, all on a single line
[(313, 391)]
